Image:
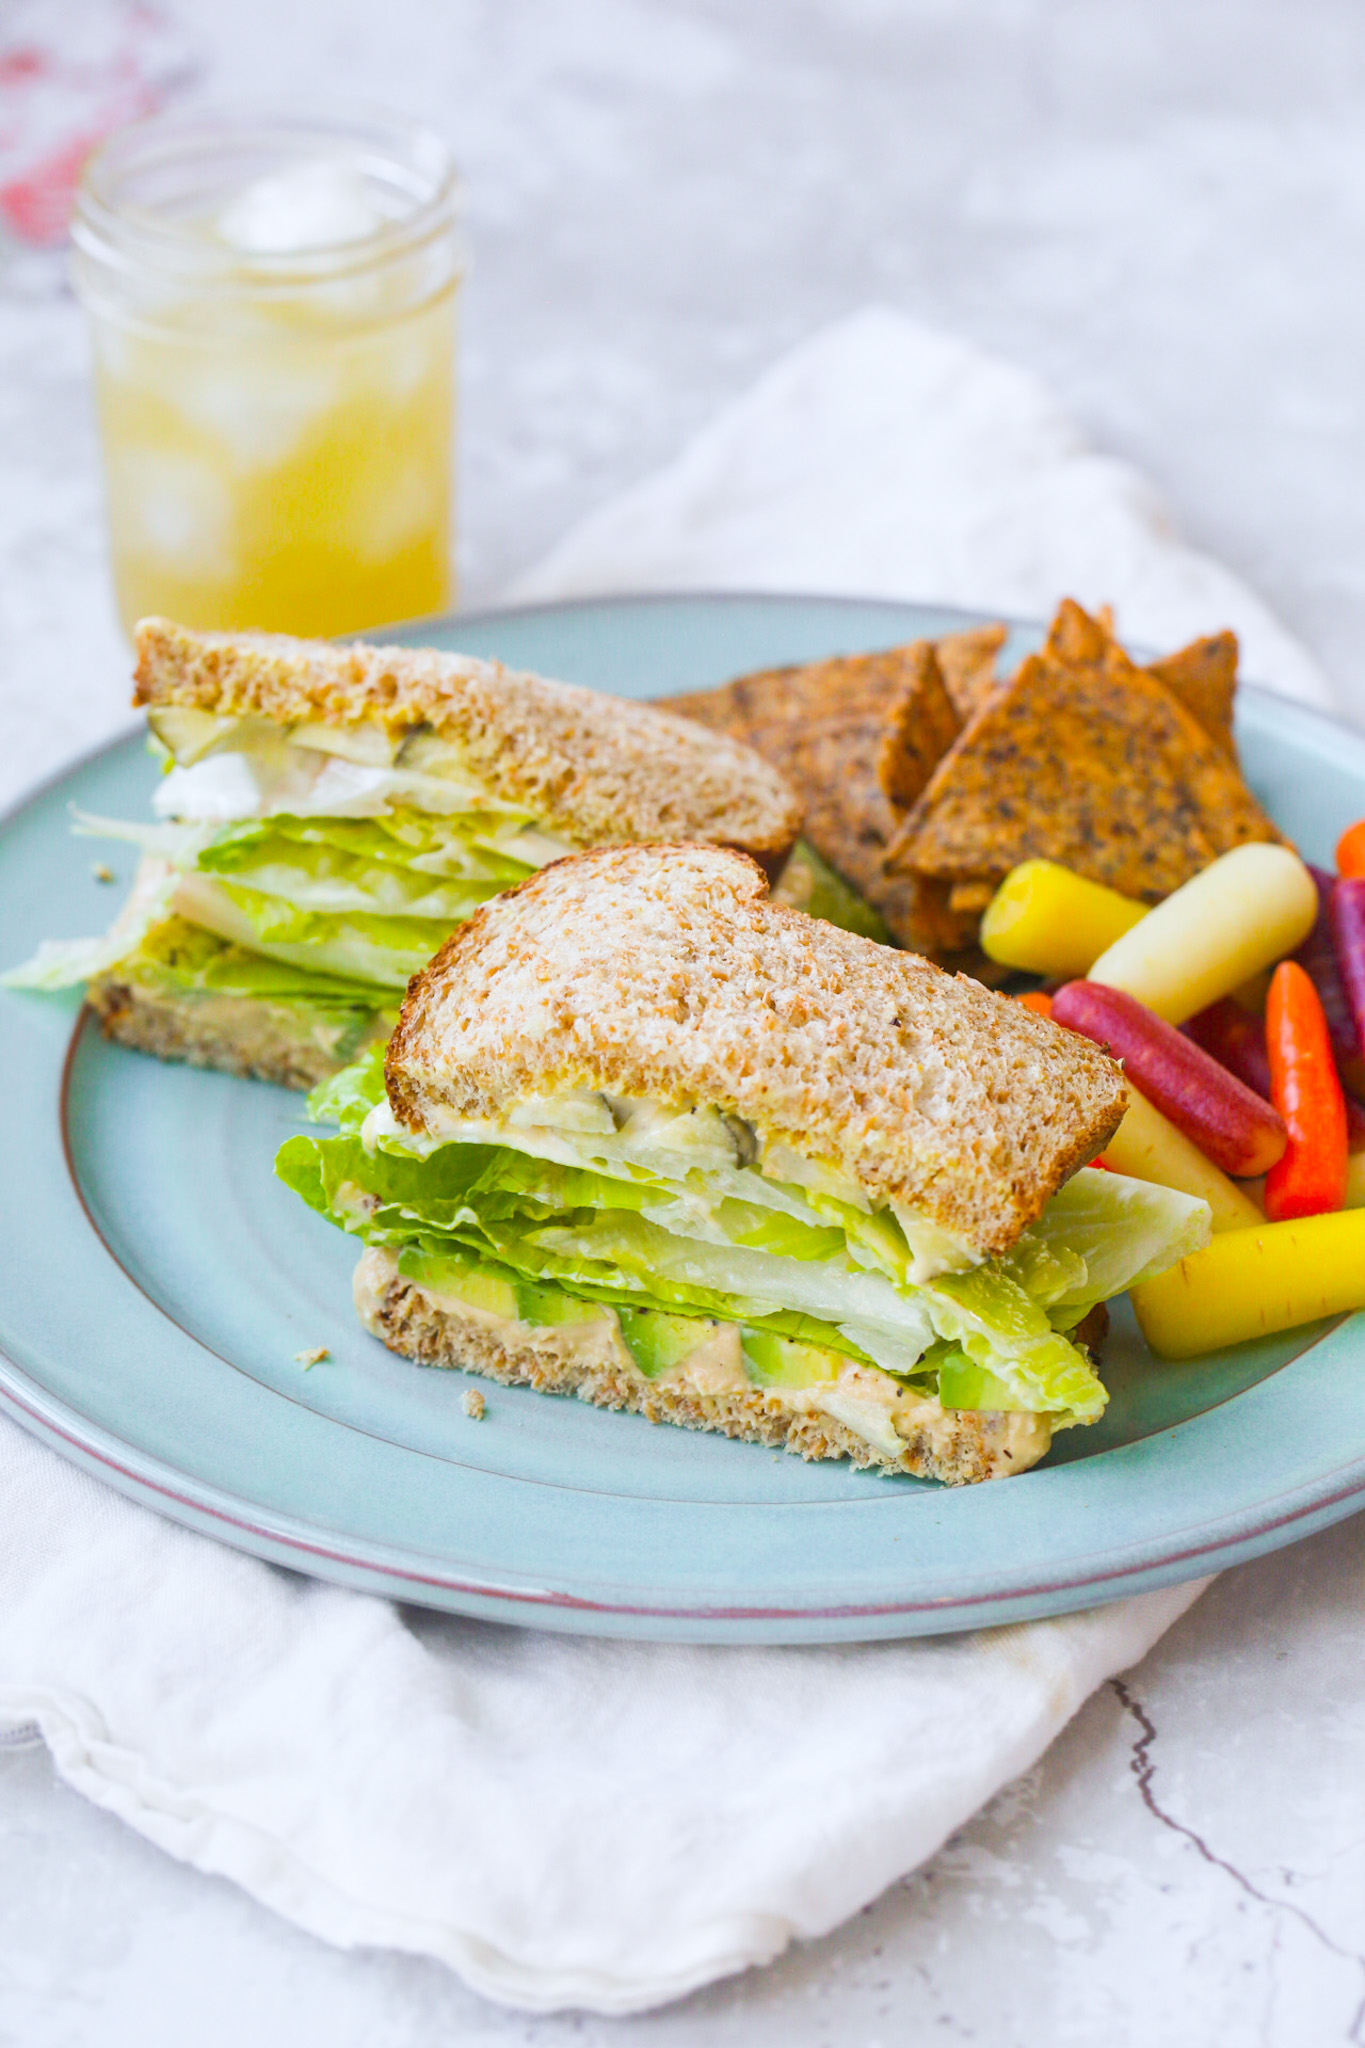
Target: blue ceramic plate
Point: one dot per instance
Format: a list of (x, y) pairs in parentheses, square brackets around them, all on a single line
[(159, 1282)]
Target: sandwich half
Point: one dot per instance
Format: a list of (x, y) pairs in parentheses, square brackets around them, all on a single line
[(645, 1136), (329, 814)]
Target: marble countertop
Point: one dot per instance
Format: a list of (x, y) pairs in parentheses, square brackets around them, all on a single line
[(1161, 210)]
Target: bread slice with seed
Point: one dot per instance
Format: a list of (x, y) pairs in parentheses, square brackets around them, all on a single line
[(664, 972), (594, 768)]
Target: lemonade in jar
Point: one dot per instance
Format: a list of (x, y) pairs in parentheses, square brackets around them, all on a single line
[(272, 302)]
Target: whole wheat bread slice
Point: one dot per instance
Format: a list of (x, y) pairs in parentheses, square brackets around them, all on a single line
[(665, 972), (958, 1447), (597, 769)]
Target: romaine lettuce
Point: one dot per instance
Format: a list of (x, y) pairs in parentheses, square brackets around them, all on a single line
[(645, 1228), (367, 898)]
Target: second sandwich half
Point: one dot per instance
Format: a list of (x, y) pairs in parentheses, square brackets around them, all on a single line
[(328, 814)]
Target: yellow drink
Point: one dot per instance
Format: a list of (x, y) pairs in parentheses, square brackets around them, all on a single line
[(295, 480), (277, 417)]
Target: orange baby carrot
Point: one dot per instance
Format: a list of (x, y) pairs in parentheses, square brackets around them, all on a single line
[(1034, 999), (1351, 851), (1311, 1177)]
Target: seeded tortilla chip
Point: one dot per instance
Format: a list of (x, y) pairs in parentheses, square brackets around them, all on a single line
[(920, 729), (1084, 760), (968, 664), (858, 738), (1204, 677), (1080, 640)]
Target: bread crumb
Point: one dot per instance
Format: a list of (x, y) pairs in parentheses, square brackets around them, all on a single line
[(101, 872), (474, 1404), (308, 1359)]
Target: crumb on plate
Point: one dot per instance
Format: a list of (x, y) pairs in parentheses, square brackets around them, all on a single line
[(474, 1404), (308, 1359)]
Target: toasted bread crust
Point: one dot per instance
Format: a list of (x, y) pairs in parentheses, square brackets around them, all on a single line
[(664, 972), (958, 1448), (597, 769)]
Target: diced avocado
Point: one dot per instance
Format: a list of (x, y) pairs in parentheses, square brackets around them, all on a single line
[(775, 1361), (657, 1341), (964, 1385), (809, 883)]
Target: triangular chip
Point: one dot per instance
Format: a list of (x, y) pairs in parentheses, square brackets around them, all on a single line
[(1204, 677), (1092, 763), (1082, 640), (858, 737), (967, 660)]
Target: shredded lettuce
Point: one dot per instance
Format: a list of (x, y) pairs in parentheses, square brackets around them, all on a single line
[(65, 963), (646, 1227), (357, 945), (367, 898)]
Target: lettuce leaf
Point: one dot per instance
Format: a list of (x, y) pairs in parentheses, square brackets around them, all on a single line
[(357, 865), (385, 950), (591, 1234), (368, 899), (635, 1220), (187, 957)]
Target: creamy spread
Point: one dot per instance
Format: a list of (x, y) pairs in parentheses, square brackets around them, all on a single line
[(865, 1401)]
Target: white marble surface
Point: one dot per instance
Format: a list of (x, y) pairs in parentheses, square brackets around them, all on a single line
[(1159, 207)]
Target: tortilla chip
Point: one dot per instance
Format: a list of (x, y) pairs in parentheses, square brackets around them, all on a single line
[(922, 726), (968, 664), (845, 732), (1204, 677), (1076, 638), (1088, 761)]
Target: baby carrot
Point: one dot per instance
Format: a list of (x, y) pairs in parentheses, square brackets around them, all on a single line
[(1035, 999), (1243, 912), (1048, 920), (1351, 851), (1249, 1283), (1147, 1146), (1311, 1177)]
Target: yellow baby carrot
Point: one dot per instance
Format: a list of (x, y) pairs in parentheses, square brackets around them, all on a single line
[(1250, 1283), (1148, 1146), (1243, 912), (1047, 920)]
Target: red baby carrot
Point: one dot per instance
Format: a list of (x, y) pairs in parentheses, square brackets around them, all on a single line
[(1311, 1177)]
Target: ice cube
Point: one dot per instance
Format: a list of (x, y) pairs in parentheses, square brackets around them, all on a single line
[(174, 509), (315, 205)]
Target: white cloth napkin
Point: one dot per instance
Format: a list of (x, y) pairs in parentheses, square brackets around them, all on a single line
[(885, 459), (568, 1822)]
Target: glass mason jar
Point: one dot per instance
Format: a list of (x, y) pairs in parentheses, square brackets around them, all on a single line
[(272, 304)]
